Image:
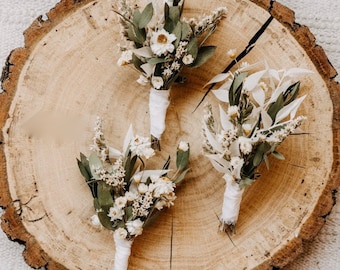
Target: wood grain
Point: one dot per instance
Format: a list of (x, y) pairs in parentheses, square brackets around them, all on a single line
[(67, 75)]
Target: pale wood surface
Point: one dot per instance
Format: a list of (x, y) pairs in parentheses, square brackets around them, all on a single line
[(67, 76)]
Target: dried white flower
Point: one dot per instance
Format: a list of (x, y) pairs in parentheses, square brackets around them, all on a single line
[(157, 82), (188, 59), (183, 146), (135, 227), (232, 53), (115, 213), (161, 42), (125, 58), (121, 233), (142, 80)]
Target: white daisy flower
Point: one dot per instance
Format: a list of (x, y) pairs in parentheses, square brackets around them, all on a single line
[(161, 42)]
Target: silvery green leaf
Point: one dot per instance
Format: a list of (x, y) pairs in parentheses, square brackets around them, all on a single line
[(224, 118), (94, 163), (204, 54), (105, 220), (266, 120), (222, 95), (96, 204), (212, 141), (128, 138), (186, 31), (182, 159), (156, 60), (104, 195), (278, 155), (181, 177), (253, 80), (192, 47), (290, 109), (146, 16), (245, 182), (178, 33), (143, 52), (259, 96)]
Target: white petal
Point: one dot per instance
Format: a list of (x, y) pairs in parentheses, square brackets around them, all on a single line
[(147, 173)]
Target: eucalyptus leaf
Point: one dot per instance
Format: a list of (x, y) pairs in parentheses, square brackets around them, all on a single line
[(96, 204), (182, 159), (186, 31), (275, 107), (83, 170), (146, 16), (105, 220), (192, 47), (204, 54), (95, 163), (178, 33), (181, 176), (104, 195), (278, 155), (156, 60)]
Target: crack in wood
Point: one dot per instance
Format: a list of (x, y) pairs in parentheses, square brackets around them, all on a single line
[(246, 51)]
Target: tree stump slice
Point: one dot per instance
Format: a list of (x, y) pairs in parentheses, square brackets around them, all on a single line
[(67, 75)]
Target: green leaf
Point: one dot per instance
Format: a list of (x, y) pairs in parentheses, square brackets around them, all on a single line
[(151, 219), (128, 213), (178, 33), (182, 159), (104, 195), (129, 167), (105, 219), (83, 170), (186, 31), (204, 54), (137, 62), (146, 16), (94, 163), (174, 14), (96, 204), (192, 47), (236, 88), (137, 16), (278, 155), (181, 176), (291, 93), (261, 150), (157, 60), (275, 107)]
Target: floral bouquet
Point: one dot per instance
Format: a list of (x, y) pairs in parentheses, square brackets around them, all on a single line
[(256, 116), (127, 196), (159, 44)]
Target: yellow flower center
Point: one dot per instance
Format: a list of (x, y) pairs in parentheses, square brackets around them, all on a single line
[(162, 39)]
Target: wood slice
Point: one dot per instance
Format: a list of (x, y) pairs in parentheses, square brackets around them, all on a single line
[(67, 75)]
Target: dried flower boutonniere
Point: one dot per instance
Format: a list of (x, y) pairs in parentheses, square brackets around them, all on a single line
[(257, 114), (159, 44), (127, 196)]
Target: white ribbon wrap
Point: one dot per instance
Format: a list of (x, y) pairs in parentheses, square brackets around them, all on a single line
[(123, 251), (158, 105), (231, 202)]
